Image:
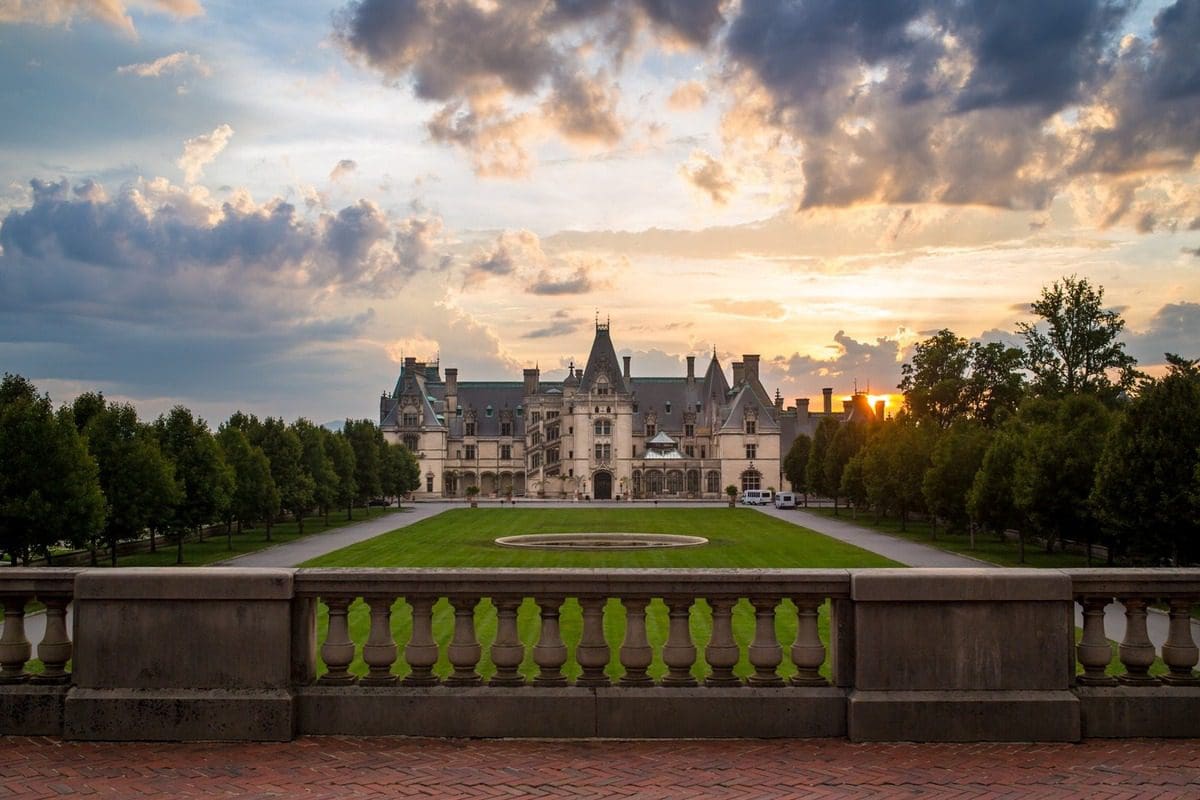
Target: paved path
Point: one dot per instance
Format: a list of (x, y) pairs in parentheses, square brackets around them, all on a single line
[(336, 767), (914, 554)]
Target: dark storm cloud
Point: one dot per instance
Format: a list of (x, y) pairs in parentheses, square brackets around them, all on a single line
[(1174, 328)]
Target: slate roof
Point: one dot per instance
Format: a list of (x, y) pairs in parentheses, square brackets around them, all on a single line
[(602, 360)]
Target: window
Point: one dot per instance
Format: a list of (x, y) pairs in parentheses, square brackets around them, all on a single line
[(470, 452), (488, 411), (412, 443), (410, 419), (689, 430), (429, 483), (604, 452), (635, 451), (505, 452), (551, 434), (689, 451), (535, 438), (570, 454), (702, 453), (458, 411), (750, 426), (506, 429), (712, 482), (693, 481), (751, 451), (552, 455), (654, 482), (470, 429), (551, 415), (668, 406), (649, 428), (674, 481), (535, 417), (751, 480), (603, 427), (635, 408), (520, 411), (535, 460)]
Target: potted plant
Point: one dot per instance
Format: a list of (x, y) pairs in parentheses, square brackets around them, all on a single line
[(472, 494), (732, 491)]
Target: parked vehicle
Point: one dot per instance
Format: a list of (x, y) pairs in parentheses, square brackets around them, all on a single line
[(757, 497), (785, 500)]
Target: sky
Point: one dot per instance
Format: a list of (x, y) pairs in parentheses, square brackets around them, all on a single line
[(268, 205)]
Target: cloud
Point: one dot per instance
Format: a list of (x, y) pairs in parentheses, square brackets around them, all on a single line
[(708, 175), (561, 324), (1174, 328), (480, 61), (578, 282), (877, 364), (755, 309), (201, 150), (518, 256), (110, 12), (342, 169), (168, 65), (688, 96)]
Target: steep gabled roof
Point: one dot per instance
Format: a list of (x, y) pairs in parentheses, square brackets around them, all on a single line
[(714, 383), (745, 399), (602, 360)]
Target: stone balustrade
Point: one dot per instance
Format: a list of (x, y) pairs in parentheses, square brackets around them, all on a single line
[(909, 654)]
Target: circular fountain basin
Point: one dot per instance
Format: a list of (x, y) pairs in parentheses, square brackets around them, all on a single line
[(600, 541)]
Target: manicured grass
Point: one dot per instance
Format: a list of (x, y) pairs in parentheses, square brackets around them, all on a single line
[(216, 548), (987, 546), (736, 538), (464, 538)]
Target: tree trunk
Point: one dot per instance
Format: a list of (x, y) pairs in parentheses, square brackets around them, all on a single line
[(300, 521), (179, 547), (835, 505), (91, 552), (971, 531), (269, 523), (112, 545), (1021, 544), (325, 511), (350, 510), (153, 541), (49, 557)]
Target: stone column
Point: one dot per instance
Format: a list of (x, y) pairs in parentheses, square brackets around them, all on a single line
[(464, 650), (722, 651), (765, 652), (636, 654), (15, 649), (507, 650), (808, 654), (379, 652), (54, 651), (338, 650), (421, 652), (550, 653), (1093, 651), (1137, 651), (679, 653), (1179, 652), (592, 653)]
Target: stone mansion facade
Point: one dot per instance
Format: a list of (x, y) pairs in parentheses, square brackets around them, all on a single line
[(599, 433)]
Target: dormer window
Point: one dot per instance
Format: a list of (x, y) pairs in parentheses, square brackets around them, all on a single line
[(506, 429), (650, 429), (410, 418), (750, 426), (668, 406), (488, 412), (602, 386), (469, 429)]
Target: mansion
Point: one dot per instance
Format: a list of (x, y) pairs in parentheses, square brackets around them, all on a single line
[(599, 433)]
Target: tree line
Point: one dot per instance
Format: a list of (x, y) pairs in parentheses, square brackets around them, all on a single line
[(1061, 439), (91, 474)]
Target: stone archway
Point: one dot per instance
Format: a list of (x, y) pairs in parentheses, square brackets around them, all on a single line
[(602, 485)]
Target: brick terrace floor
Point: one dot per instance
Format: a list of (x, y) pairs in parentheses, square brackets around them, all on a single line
[(368, 768)]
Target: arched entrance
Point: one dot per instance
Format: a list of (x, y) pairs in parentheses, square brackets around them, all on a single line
[(602, 484)]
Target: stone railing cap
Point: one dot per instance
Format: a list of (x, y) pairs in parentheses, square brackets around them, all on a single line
[(1158, 582), (183, 583), (969, 585), (37, 580)]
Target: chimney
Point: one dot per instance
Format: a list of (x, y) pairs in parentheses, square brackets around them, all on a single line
[(385, 405), (778, 400), (451, 389), (626, 359), (801, 408), (751, 362), (691, 369), (532, 376), (827, 394), (847, 407), (879, 406), (739, 373), (410, 363)]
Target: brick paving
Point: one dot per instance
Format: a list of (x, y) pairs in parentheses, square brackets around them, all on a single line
[(337, 767)]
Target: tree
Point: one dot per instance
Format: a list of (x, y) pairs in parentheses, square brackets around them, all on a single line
[(814, 471), (854, 484), (205, 480), (955, 459), (364, 438), (1056, 470), (138, 481), (950, 379), (49, 483), (317, 465), (990, 501), (341, 457), (795, 465), (1075, 348), (846, 442), (286, 454), (255, 497), (400, 472), (894, 463), (1145, 478)]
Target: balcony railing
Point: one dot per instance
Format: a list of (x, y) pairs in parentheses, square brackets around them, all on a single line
[(872, 654)]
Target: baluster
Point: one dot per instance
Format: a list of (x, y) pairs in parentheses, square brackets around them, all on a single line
[(464, 651), (550, 653), (421, 652), (592, 652), (15, 649), (765, 652), (808, 653), (1093, 651), (722, 651), (1137, 651), (54, 650), (635, 650), (379, 652), (507, 650), (338, 650), (679, 653), (1180, 652)]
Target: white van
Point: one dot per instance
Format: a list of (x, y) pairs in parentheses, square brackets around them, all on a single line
[(785, 500), (757, 497)]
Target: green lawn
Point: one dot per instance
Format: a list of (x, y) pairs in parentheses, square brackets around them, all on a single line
[(217, 548), (987, 546), (464, 538)]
